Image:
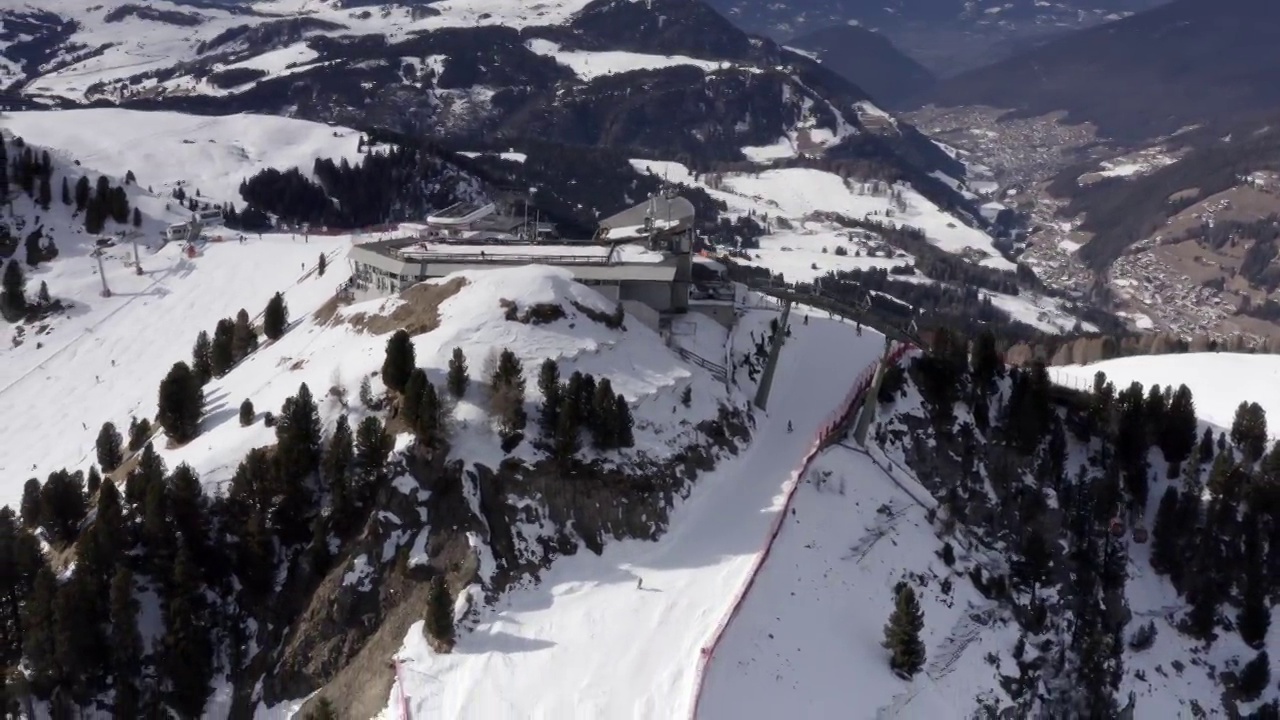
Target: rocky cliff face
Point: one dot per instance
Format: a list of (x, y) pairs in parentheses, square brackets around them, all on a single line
[(485, 530)]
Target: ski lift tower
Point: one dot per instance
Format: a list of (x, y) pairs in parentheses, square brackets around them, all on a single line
[(132, 235), (102, 272)]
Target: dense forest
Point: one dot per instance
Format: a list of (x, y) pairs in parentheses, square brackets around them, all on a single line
[(1068, 480)]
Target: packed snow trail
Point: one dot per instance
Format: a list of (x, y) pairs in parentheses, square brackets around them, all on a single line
[(587, 642), (806, 641)]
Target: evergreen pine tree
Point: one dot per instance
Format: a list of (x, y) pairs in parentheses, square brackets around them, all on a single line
[(126, 646), (902, 633), (139, 433), (1249, 431), (80, 647), (181, 404), (109, 525), (985, 360), (246, 413), (1178, 434), (373, 447), (137, 218), (109, 447), (624, 425), (1255, 611), (202, 358), (244, 339), (45, 195), (458, 378), (1205, 451), (43, 299), (1165, 532), (411, 400), (63, 505), (298, 451), (93, 480), (430, 416), (82, 193), (399, 361), (38, 625), (549, 385), (188, 509), (508, 388), (31, 504), (222, 351), (186, 655), (439, 620), (1255, 676), (565, 443), (66, 191), (276, 317), (149, 471), (339, 456), (320, 266), (13, 290), (604, 431)]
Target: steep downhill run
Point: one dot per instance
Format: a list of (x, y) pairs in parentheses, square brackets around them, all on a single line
[(807, 640), (620, 635)]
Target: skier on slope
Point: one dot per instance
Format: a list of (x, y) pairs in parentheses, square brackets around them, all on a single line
[(789, 428)]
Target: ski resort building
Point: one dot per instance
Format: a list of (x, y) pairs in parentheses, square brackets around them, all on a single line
[(641, 257)]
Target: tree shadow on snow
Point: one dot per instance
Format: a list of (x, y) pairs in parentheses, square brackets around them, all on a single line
[(501, 642)]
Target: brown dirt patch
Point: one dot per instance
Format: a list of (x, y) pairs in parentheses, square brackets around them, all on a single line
[(328, 310), (418, 314)]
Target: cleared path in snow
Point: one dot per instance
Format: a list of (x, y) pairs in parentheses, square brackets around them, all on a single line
[(586, 642)]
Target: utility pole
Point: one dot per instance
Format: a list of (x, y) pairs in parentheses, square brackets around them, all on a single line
[(102, 273), (137, 259)]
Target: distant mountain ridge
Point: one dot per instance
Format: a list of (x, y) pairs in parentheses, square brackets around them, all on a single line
[(1186, 63), (869, 60), (948, 36)]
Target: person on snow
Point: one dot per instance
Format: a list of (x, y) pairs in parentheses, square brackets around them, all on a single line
[(789, 428), (639, 583)]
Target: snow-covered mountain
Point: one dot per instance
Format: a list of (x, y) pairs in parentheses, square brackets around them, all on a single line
[(669, 79)]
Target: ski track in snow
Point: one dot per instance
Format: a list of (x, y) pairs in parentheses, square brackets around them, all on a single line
[(585, 642)]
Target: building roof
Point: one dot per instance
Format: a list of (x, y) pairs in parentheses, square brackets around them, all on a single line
[(669, 214)]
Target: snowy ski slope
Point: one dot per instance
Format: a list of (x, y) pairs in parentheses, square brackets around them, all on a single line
[(106, 361), (588, 641), (806, 643)]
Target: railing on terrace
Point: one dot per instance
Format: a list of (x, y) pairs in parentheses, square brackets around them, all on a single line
[(504, 258)]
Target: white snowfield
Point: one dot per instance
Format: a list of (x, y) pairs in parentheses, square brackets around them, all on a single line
[(807, 641), (620, 635), (212, 154), (137, 45), (1219, 381), (590, 65), (797, 194)]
